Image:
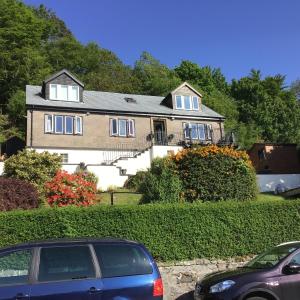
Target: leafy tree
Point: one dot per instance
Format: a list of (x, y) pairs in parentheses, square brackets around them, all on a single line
[(16, 109), (153, 77), (295, 88)]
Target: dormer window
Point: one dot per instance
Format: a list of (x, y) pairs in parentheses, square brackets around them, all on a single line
[(64, 92), (187, 102)]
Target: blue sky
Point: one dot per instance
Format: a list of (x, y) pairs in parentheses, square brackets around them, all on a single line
[(235, 35)]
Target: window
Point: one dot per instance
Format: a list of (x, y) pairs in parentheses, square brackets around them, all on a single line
[(122, 127), (48, 123), (78, 125), (59, 124), (196, 131), (64, 92), (187, 102), (14, 267), (63, 124), (195, 103), (53, 91), (74, 93), (178, 102), (69, 125), (201, 131), (122, 260), (64, 158), (65, 263)]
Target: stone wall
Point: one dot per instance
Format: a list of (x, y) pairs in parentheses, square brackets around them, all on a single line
[(180, 278)]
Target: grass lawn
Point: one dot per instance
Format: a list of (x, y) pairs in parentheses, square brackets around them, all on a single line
[(119, 199), (128, 198)]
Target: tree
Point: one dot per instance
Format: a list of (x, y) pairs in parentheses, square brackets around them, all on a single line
[(295, 88), (153, 77), (16, 109)]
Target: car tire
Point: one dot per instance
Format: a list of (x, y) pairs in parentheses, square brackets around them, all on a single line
[(256, 298)]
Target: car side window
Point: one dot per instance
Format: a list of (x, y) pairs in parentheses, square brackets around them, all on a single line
[(122, 260), (65, 263), (295, 259), (15, 266)]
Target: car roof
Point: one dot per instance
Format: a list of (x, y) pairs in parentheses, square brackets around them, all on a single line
[(66, 241)]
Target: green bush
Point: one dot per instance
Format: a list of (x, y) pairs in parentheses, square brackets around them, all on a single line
[(134, 182), (216, 173), (170, 231), (161, 183), (36, 168)]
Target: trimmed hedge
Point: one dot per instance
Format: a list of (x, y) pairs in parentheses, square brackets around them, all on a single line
[(170, 231)]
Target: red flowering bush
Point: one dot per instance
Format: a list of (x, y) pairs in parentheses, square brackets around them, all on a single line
[(70, 189)]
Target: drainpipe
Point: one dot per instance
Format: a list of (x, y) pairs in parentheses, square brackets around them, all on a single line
[(31, 124)]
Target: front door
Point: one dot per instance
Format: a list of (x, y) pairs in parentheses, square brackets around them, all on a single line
[(14, 275), (66, 273), (160, 135)]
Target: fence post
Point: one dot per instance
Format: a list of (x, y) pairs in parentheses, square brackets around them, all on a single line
[(112, 198)]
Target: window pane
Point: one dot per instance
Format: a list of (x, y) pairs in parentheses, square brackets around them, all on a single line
[(208, 131), (48, 123), (114, 126), (195, 103), (63, 263), (187, 102), (78, 125), (14, 267), (63, 92), (59, 124), (122, 260), (194, 131), (53, 91), (186, 130), (131, 129), (178, 102), (65, 158), (122, 127), (201, 130), (68, 125), (74, 91)]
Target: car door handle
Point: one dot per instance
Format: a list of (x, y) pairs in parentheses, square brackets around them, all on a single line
[(21, 296), (94, 290)]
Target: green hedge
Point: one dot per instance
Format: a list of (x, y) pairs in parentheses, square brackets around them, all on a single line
[(170, 231)]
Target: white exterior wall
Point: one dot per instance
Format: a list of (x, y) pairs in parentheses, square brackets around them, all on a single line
[(162, 151), (1, 167), (268, 182)]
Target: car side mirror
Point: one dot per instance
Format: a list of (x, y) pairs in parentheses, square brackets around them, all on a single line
[(291, 269)]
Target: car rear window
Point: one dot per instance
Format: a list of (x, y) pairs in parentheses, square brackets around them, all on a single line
[(65, 263), (122, 260)]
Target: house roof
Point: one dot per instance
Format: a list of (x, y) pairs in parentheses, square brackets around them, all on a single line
[(63, 71), (189, 86), (116, 103)]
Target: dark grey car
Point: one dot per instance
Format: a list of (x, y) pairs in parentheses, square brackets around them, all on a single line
[(273, 275)]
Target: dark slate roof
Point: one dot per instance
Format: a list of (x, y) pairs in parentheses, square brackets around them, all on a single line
[(115, 103), (64, 71)]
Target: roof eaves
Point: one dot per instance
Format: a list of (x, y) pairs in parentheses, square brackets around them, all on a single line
[(62, 72), (189, 86)]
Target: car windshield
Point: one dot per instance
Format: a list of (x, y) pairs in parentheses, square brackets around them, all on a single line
[(271, 257)]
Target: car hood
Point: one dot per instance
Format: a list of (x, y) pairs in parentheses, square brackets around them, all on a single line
[(229, 275)]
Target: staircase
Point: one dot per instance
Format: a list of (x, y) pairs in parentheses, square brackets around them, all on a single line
[(130, 165)]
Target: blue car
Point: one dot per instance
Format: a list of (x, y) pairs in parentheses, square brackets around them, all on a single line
[(83, 269)]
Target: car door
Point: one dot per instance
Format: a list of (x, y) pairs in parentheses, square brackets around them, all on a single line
[(290, 283), (15, 270), (126, 271), (66, 272)]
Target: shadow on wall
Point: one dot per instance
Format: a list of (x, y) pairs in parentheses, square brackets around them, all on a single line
[(186, 296), (269, 182)]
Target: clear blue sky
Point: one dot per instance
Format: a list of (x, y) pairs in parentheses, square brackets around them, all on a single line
[(235, 35)]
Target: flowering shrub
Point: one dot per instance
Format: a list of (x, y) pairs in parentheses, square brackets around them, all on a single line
[(70, 189), (216, 173)]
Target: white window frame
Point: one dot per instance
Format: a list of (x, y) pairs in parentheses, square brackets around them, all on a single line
[(70, 87), (190, 101), (80, 129), (186, 130), (64, 158), (197, 100), (112, 133), (55, 118), (46, 118), (59, 93), (72, 118), (50, 92), (120, 121), (182, 104), (131, 125), (209, 132), (204, 131)]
